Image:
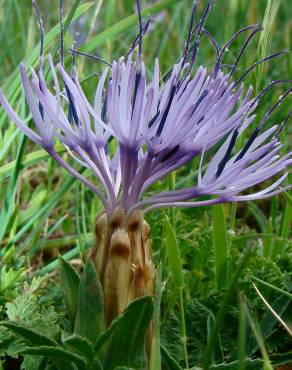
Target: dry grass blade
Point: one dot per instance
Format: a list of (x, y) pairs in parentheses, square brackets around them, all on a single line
[(289, 331)]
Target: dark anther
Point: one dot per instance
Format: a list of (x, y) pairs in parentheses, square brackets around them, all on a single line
[(226, 157), (201, 119), (248, 144), (61, 32), (258, 128), (165, 113), (137, 82), (72, 114), (170, 153), (104, 109), (41, 110), (269, 57), (94, 57), (153, 119), (199, 101)]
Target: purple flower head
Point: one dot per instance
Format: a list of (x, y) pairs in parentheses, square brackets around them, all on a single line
[(159, 126)]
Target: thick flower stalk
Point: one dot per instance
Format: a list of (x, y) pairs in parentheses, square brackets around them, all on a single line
[(159, 126)]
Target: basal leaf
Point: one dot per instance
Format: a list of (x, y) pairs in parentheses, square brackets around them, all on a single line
[(89, 316), (58, 354), (80, 345), (70, 284), (127, 344), (29, 334)]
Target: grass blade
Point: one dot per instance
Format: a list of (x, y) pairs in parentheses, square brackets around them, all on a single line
[(220, 245), (123, 25), (173, 253), (222, 311)]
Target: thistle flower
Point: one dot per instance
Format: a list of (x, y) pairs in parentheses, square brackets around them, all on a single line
[(159, 125)]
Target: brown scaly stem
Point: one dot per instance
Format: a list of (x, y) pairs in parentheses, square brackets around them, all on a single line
[(122, 256)]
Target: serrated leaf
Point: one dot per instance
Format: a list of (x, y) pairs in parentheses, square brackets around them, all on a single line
[(89, 316), (70, 284), (169, 360), (8, 277), (29, 334), (80, 345), (55, 353), (126, 346)]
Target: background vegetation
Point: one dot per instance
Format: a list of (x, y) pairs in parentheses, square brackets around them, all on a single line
[(45, 212)]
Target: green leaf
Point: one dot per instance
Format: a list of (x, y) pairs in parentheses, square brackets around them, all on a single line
[(29, 334), (212, 338), (43, 364), (281, 359), (89, 316), (155, 358), (173, 253), (70, 284), (105, 336), (283, 232), (28, 160), (126, 346), (81, 345), (169, 360), (55, 353), (8, 201), (288, 198), (220, 245), (218, 355), (271, 286), (9, 278), (54, 199), (107, 333)]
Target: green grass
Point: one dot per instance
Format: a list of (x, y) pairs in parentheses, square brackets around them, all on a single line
[(208, 305)]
